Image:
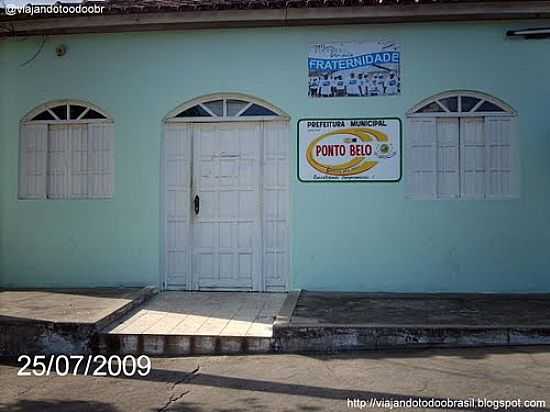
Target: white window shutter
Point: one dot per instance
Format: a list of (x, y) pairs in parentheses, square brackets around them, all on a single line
[(421, 169), (58, 149), (447, 158), (32, 161), (100, 160), (502, 163), (473, 157), (78, 136)]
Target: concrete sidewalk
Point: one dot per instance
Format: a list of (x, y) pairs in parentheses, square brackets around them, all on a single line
[(119, 321), (330, 321), (65, 305), (63, 321), (422, 310), (285, 383)]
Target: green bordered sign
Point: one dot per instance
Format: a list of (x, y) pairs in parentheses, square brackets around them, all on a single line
[(349, 150)]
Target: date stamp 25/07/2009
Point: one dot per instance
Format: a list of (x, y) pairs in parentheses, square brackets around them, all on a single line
[(93, 365)]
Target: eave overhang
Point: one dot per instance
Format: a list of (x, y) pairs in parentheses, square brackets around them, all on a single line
[(184, 20)]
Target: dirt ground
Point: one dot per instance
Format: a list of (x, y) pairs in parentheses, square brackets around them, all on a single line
[(297, 383)]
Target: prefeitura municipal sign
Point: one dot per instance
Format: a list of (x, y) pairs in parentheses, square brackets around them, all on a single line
[(367, 150)]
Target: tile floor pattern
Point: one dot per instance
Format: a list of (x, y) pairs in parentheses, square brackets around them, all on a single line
[(204, 313)]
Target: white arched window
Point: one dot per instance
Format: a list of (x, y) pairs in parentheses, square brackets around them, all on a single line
[(462, 144), (66, 152)]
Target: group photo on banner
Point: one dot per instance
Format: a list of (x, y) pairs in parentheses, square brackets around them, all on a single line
[(354, 69)]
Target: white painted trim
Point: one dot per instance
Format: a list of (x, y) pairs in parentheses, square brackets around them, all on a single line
[(223, 119), (456, 114), (53, 103), (170, 117), (163, 281), (83, 113), (50, 112), (443, 107), (289, 220), (82, 121), (508, 110), (261, 284), (163, 264), (245, 108), (473, 110), (210, 112)]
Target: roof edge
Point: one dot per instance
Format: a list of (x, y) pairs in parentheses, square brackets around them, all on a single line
[(135, 22)]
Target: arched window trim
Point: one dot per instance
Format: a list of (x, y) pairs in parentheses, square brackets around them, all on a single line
[(48, 106), (507, 109), (203, 100), (462, 154), (62, 158)]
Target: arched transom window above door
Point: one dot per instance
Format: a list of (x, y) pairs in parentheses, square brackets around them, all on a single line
[(225, 107), (66, 111), (462, 145)]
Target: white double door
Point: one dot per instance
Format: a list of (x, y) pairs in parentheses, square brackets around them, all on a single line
[(225, 225), (215, 218)]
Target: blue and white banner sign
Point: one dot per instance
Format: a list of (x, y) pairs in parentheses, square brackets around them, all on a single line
[(354, 69)]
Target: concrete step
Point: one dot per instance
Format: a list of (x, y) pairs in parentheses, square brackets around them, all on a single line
[(197, 323), (341, 338), (64, 321), (317, 322), (346, 321), (179, 345), (323, 339)]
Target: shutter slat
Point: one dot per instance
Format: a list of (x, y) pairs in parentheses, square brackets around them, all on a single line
[(78, 136), (100, 160), (501, 158), (473, 157), (447, 158), (32, 161), (422, 158), (57, 162)]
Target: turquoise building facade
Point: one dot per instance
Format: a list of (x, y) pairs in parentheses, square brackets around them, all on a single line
[(343, 236)]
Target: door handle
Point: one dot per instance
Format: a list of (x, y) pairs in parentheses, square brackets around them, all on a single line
[(197, 204)]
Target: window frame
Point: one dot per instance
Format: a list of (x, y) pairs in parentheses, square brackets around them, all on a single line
[(27, 120), (507, 109), (507, 112), (203, 100)]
